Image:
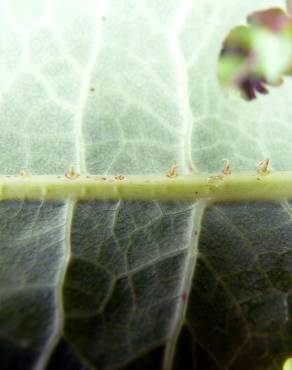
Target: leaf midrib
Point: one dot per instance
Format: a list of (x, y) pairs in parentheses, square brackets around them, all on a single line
[(244, 186)]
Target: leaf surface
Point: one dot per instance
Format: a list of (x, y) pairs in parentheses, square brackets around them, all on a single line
[(131, 88)]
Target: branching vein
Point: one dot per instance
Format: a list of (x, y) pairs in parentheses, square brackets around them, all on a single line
[(182, 83)]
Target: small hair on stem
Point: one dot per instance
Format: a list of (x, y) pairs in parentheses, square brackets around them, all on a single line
[(173, 171), (71, 173), (262, 167), (227, 167)]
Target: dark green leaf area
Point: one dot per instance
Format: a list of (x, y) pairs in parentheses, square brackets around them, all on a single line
[(239, 313), (123, 281), (31, 250), (15, 356), (64, 358)]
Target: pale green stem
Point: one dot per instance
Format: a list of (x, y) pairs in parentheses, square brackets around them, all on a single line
[(235, 187)]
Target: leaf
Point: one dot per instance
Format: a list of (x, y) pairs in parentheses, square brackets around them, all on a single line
[(242, 289), (131, 88)]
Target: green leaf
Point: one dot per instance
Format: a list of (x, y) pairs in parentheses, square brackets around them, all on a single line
[(130, 87)]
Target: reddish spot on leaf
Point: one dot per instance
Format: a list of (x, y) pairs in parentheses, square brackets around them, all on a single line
[(184, 296)]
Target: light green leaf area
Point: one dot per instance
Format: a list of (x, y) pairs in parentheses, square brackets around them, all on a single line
[(130, 87)]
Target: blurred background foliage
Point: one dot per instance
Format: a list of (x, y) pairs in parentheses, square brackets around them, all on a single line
[(288, 364), (257, 54)]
